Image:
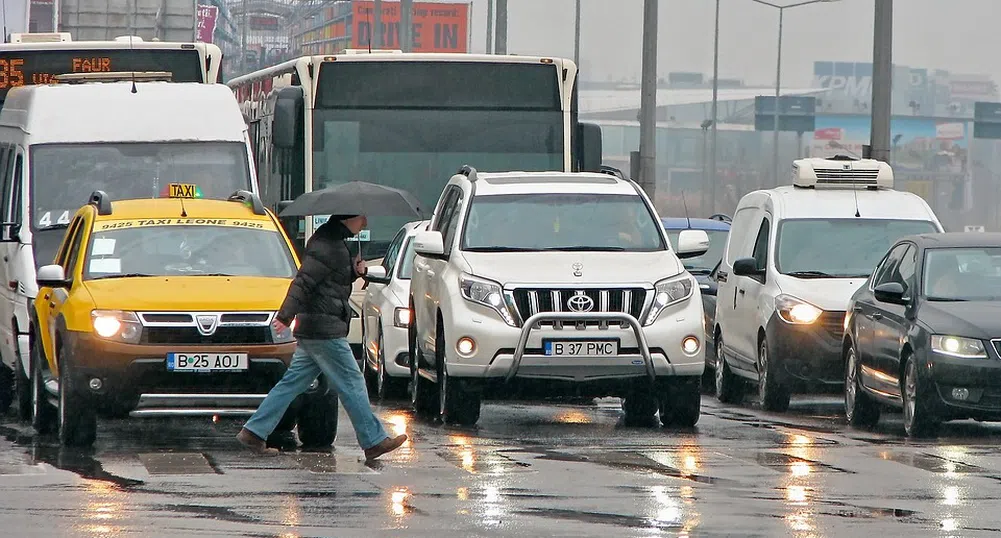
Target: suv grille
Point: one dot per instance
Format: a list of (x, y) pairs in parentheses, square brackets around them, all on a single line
[(531, 301)]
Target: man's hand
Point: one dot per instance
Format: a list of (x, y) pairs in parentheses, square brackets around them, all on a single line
[(360, 267), (279, 326)]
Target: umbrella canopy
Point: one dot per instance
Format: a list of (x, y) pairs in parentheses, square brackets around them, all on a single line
[(355, 198)]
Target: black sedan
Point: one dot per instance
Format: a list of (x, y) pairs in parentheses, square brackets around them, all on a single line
[(924, 333)]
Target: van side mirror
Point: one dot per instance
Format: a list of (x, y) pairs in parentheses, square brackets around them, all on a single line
[(430, 244), (590, 146), (288, 117), (746, 267), (692, 243), (51, 276), (889, 292), (376, 275), (9, 232)]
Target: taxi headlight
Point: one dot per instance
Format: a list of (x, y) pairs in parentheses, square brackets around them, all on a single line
[(669, 292), (117, 325), (486, 293), (796, 311), (957, 346), (283, 336)]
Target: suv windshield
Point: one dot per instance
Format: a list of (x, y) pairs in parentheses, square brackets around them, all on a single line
[(64, 175), (703, 264), (531, 222), (839, 248), (963, 274), (187, 250)]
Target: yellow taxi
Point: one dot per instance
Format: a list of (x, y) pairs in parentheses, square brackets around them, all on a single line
[(164, 307)]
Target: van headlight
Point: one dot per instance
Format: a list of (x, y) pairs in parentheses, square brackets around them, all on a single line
[(117, 325), (796, 311), (669, 292), (486, 293), (958, 346)]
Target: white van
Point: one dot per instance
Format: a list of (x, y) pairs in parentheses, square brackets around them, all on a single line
[(61, 142), (795, 256)]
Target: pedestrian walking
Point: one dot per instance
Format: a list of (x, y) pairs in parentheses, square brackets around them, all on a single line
[(318, 302)]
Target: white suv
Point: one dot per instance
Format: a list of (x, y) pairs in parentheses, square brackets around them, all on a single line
[(553, 281)]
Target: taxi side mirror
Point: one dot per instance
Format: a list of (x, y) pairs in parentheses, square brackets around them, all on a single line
[(51, 276)]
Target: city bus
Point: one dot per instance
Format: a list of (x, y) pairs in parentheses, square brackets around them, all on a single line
[(410, 121), (39, 58)]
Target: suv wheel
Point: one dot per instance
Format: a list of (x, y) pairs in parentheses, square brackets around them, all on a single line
[(860, 409), (729, 388), (456, 405), (681, 404), (317, 418), (77, 420), (773, 395), (422, 396), (640, 404)]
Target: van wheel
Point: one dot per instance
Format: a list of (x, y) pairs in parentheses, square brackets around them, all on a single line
[(6, 388), (456, 404), (317, 418), (681, 405), (773, 395), (729, 388), (22, 390), (77, 420), (43, 415)]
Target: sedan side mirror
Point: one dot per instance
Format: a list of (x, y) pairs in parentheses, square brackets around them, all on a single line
[(377, 275), (747, 267), (430, 244), (692, 243), (889, 292), (51, 276)]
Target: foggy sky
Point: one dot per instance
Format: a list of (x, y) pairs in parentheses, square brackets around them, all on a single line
[(957, 35)]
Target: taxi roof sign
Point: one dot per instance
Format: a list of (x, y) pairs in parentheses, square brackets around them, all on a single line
[(182, 190)]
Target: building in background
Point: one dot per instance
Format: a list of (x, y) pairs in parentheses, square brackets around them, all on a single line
[(264, 25)]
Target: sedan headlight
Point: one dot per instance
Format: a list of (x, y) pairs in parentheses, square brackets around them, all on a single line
[(283, 336), (669, 292), (957, 346), (796, 311), (486, 293), (117, 325)]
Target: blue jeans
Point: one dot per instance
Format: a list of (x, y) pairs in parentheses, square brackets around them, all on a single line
[(334, 359)]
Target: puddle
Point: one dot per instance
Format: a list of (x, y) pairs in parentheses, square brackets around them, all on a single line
[(783, 462), (77, 461), (211, 512), (930, 462), (176, 463), (328, 463), (617, 520), (633, 461)]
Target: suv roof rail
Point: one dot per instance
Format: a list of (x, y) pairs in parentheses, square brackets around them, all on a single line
[(102, 201), (468, 171), (611, 171), (250, 199)]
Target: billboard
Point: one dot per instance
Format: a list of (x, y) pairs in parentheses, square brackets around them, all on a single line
[(207, 16), (437, 27)]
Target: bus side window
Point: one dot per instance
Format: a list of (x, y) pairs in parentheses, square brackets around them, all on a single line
[(7, 165)]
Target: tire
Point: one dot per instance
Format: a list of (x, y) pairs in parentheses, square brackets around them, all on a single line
[(422, 396), (456, 404), (386, 387), (920, 416), (773, 395), (22, 390), (729, 387), (681, 405), (43, 415), (860, 409), (365, 368), (6, 388), (640, 404), (77, 420), (317, 418)]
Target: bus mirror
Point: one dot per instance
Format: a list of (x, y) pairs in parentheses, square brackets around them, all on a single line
[(288, 117), (590, 145)]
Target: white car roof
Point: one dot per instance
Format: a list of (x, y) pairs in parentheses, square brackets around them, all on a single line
[(493, 183), (799, 203)]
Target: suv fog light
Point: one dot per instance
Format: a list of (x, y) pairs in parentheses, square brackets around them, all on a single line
[(960, 394), (466, 346), (690, 345), (95, 383)]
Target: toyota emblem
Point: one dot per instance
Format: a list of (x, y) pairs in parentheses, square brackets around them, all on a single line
[(578, 269), (580, 303)]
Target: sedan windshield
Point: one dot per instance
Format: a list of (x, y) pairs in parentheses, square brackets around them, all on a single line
[(571, 222), (839, 248), (703, 264), (187, 250), (963, 274)]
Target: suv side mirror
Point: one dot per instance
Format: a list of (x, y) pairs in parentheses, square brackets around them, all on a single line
[(889, 292), (51, 276), (692, 243), (377, 275), (9, 232), (745, 267), (430, 244)]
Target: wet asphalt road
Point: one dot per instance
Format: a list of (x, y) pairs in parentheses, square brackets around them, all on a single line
[(529, 469)]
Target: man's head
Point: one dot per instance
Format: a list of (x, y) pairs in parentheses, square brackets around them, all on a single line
[(354, 223)]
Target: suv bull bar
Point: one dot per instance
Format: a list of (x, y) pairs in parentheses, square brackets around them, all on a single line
[(530, 323)]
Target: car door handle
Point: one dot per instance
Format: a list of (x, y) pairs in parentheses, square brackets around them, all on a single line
[(741, 291), (52, 305), (430, 272), (877, 316), (46, 297), (856, 309)]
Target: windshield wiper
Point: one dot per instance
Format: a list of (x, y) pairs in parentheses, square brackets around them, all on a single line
[(53, 227), (586, 249), (501, 249), (810, 274), (122, 275), (210, 274), (946, 299), (699, 270)]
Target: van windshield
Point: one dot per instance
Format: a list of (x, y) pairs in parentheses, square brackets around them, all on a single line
[(839, 248), (64, 175)]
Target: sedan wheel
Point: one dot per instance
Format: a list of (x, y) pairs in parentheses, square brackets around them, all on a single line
[(920, 417), (860, 409)]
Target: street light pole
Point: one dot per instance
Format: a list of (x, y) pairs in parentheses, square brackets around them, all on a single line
[(490, 26), (576, 35), (648, 101), (377, 24), (882, 73), (714, 113)]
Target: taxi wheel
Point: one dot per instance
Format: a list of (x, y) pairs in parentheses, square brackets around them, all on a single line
[(77, 420), (773, 395), (681, 405), (317, 417), (43, 415), (22, 390), (456, 404)]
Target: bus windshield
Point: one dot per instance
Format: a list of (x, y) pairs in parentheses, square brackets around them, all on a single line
[(411, 125), (64, 175)]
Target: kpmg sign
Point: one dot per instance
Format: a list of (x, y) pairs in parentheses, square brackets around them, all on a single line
[(853, 80)]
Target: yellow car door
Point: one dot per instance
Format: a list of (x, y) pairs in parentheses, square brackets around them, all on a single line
[(50, 300)]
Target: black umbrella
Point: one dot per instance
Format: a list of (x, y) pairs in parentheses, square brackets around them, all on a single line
[(355, 198)]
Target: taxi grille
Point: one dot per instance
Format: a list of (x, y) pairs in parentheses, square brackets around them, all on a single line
[(226, 328), (222, 336), (531, 301)]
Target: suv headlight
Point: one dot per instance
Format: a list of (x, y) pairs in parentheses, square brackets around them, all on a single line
[(796, 311), (283, 336), (486, 293), (669, 292), (117, 325), (957, 346)]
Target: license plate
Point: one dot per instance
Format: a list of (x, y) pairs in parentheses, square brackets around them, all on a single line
[(207, 362), (581, 348)]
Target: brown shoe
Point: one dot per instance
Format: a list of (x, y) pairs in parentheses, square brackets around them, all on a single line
[(255, 443), (387, 445)]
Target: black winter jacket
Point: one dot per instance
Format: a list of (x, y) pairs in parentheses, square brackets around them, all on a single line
[(318, 296)]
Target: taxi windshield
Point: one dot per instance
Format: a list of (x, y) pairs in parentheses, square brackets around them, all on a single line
[(172, 250)]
